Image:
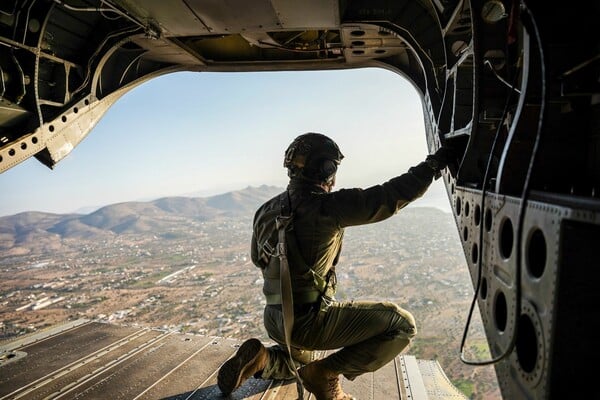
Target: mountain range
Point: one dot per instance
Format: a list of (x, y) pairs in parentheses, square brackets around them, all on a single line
[(21, 231)]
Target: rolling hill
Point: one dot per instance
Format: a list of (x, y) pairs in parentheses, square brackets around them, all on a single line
[(31, 229)]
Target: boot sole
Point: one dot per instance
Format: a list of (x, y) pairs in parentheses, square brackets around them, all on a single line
[(231, 373)]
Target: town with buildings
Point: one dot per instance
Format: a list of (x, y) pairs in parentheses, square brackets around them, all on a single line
[(195, 276)]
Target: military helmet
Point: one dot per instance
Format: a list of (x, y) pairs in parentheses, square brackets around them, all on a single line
[(314, 157)]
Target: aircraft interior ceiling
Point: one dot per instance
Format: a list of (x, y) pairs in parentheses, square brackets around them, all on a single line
[(512, 85)]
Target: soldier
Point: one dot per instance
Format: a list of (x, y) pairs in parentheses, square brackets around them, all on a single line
[(369, 334)]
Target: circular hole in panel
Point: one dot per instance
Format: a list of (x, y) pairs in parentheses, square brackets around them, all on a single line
[(477, 215), (33, 25), (358, 43), (86, 102), (500, 312), (75, 110), (23, 146), (458, 206), (358, 52), (64, 118), (0, 158), (11, 152), (474, 253), (34, 140), (495, 59), (506, 238), (536, 253), (483, 289), (493, 11), (465, 234), (527, 346), (357, 33), (488, 220), (380, 51), (458, 46), (51, 128), (467, 209)]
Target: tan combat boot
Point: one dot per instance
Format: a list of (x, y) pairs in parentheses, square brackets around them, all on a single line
[(250, 358), (322, 382)]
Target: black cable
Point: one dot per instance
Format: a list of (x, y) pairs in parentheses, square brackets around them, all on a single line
[(480, 244), (521, 217)]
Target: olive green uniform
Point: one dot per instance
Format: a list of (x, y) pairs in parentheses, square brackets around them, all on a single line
[(368, 334)]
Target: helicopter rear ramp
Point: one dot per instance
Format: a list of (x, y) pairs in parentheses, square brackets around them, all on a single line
[(89, 360)]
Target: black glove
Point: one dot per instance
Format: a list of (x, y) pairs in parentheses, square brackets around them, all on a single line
[(443, 157)]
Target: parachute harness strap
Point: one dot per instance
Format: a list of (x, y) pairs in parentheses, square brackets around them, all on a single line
[(287, 299)]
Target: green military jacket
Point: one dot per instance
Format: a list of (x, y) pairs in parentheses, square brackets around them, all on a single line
[(319, 218)]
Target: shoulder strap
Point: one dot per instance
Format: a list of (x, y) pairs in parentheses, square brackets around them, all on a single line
[(287, 299)]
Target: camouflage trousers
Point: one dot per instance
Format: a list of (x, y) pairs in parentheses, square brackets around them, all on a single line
[(368, 335)]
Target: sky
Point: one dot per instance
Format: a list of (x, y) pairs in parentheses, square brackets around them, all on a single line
[(201, 134)]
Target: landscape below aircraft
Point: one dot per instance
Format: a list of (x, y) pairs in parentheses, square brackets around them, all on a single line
[(513, 86)]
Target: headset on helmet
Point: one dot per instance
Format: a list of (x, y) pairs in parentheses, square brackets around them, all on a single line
[(314, 157)]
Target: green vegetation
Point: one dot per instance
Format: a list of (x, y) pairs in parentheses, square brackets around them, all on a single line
[(421, 346), (145, 284), (174, 259), (150, 280), (479, 349), (467, 387)]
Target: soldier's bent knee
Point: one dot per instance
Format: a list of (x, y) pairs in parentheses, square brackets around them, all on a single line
[(405, 325)]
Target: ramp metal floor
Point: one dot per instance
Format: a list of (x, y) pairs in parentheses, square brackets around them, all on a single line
[(92, 360)]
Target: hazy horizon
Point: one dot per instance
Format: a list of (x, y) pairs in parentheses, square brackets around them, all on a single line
[(91, 208), (212, 133)]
